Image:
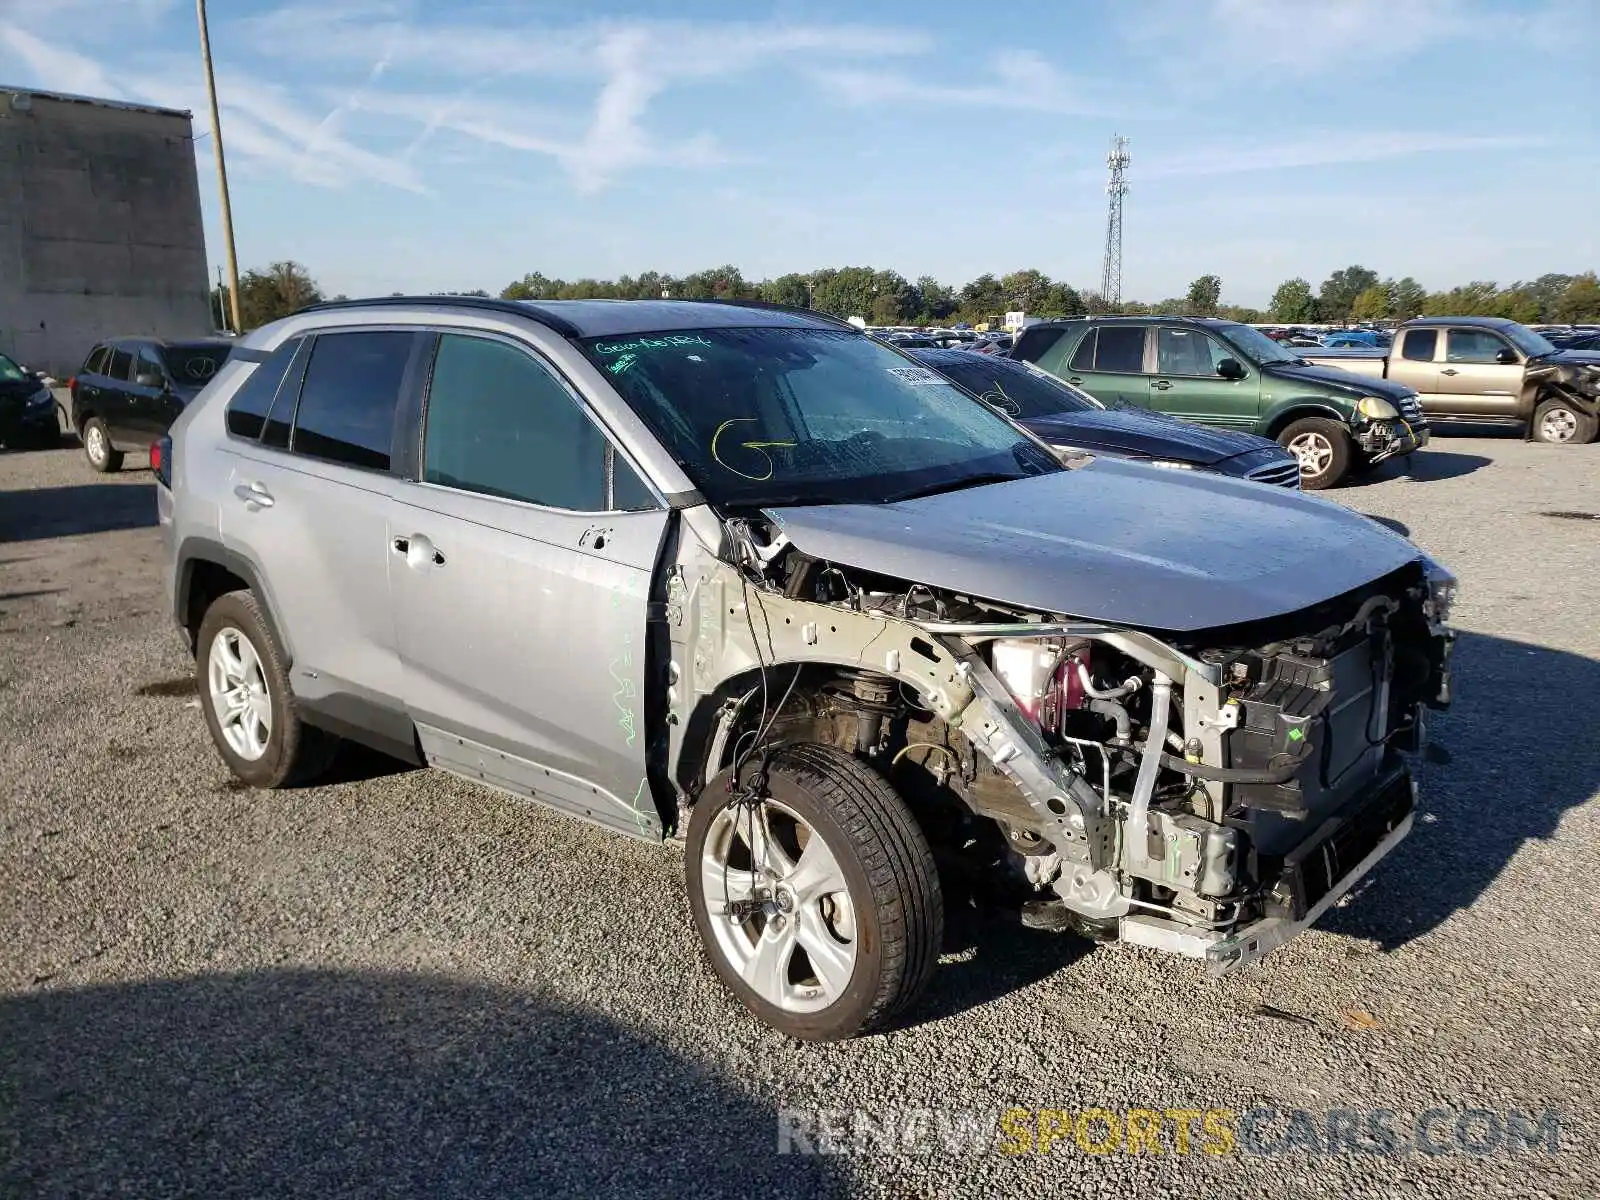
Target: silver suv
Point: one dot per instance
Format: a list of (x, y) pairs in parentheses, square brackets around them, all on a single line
[(746, 576)]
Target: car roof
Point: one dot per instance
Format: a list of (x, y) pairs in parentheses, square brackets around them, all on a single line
[(144, 339), (937, 356), (616, 318), (1484, 322)]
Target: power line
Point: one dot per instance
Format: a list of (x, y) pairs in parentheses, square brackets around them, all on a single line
[(1111, 271)]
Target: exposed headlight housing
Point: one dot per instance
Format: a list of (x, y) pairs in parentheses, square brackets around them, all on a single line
[(1376, 408), (1171, 464), (40, 398), (1442, 588)]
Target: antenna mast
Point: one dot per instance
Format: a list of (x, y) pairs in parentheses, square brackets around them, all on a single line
[(1111, 272)]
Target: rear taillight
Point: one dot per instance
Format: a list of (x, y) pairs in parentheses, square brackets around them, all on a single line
[(161, 460), (72, 384)]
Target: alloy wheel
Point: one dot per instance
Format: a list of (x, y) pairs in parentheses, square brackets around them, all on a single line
[(239, 694), (1314, 451), (97, 443), (781, 911)]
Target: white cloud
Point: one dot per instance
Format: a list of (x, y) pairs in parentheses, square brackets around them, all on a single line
[(58, 68), (1020, 79)]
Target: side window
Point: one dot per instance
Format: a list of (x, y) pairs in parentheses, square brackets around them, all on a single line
[(95, 364), (1419, 344), (1474, 346), (1034, 344), (146, 363), (120, 365), (247, 411), (1083, 360), (347, 403), (1120, 349), (1186, 352), (500, 423)]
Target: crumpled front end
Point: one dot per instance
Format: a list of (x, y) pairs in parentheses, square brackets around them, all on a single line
[(1388, 430), (1209, 793)]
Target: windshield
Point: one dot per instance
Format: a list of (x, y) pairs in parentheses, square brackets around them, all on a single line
[(1256, 344), (775, 416), (1017, 389), (195, 365), (10, 372), (1530, 343)]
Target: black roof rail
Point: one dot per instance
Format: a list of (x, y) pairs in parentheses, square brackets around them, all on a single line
[(521, 308), (768, 304)]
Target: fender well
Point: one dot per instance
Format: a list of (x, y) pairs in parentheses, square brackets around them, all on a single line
[(1294, 410), (206, 570)]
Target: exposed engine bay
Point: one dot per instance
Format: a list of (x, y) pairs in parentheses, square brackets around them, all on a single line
[(1207, 793)]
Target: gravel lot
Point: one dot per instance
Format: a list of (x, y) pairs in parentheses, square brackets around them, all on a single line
[(399, 983)]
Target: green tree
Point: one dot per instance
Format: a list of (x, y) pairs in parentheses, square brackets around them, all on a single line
[(1517, 303), (846, 292), (1237, 312), (283, 288), (982, 297), (1476, 299), (786, 289), (1062, 300), (1371, 304), (1580, 299), (1293, 303), (1406, 297), (1173, 306), (1025, 290), (885, 309), (1339, 291), (1547, 290), (935, 301), (1205, 294), (533, 286)]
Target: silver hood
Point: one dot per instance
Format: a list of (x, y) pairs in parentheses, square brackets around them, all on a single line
[(1116, 542)]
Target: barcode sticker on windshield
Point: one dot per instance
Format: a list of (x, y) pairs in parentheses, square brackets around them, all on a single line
[(917, 376)]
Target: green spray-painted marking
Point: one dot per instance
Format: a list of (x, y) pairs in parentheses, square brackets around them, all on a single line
[(1296, 734), (671, 341)]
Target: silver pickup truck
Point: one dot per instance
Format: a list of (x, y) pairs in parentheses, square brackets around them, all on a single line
[(1488, 369)]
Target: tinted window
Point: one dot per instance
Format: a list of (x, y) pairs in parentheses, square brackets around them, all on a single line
[(96, 362), (10, 372), (346, 411), (1419, 344), (502, 424), (1016, 390), (1474, 346), (195, 365), (1120, 348), (251, 403), (1033, 343), (1083, 360), (1186, 352), (120, 365), (147, 363)]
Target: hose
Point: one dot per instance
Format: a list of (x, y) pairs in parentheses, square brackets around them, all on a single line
[(1134, 836), (1128, 686)]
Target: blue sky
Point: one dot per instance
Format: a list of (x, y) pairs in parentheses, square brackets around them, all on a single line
[(398, 145)]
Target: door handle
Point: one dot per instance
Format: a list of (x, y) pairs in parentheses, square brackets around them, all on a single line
[(254, 495), (417, 550), (1161, 385), (1076, 379), (1449, 371)]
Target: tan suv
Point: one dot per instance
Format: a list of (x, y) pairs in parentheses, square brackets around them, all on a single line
[(1488, 369)]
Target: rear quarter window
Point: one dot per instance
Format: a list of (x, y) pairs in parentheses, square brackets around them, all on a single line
[(247, 411), (95, 364)]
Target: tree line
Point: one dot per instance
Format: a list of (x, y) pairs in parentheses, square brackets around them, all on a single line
[(883, 297)]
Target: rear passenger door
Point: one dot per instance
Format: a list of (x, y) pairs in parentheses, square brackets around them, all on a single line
[(521, 559), (309, 501), (146, 401), (111, 402), (1411, 363), (1109, 364)]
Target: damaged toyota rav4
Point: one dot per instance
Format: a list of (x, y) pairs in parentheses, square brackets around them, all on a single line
[(744, 577)]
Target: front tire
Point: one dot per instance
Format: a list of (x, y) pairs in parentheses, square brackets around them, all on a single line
[(817, 900), (1558, 422), (249, 708), (1323, 448), (97, 447)]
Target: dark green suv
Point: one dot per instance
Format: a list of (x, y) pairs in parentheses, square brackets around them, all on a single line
[(1224, 373)]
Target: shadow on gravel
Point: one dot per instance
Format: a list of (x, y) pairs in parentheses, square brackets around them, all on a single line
[(322, 1083), (68, 511), (356, 763), (1003, 956), (1520, 747), (1425, 466)]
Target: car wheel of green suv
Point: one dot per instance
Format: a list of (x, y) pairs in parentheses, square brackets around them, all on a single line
[(1323, 448)]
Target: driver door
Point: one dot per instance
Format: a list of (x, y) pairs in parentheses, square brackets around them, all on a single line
[(1473, 381), (522, 556), (1187, 382)]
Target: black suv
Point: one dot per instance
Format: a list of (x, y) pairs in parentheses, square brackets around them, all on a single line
[(131, 390)]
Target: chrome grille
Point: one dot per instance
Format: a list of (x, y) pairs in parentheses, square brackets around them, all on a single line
[(1278, 474)]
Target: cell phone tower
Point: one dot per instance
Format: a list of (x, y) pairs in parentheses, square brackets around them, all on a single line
[(1111, 272)]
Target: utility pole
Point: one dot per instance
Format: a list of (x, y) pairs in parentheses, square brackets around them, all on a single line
[(222, 169), (1111, 271)]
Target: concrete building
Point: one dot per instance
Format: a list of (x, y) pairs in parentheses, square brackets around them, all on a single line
[(100, 230)]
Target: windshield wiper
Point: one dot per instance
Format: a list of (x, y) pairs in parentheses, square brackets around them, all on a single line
[(955, 485)]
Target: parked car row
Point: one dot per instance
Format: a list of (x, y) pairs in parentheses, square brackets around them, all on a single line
[(748, 577), (131, 390)]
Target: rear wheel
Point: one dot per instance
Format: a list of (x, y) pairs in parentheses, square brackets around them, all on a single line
[(1558, 421), (97, 447), (249, 709), (1323, 448), (816, 896)]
